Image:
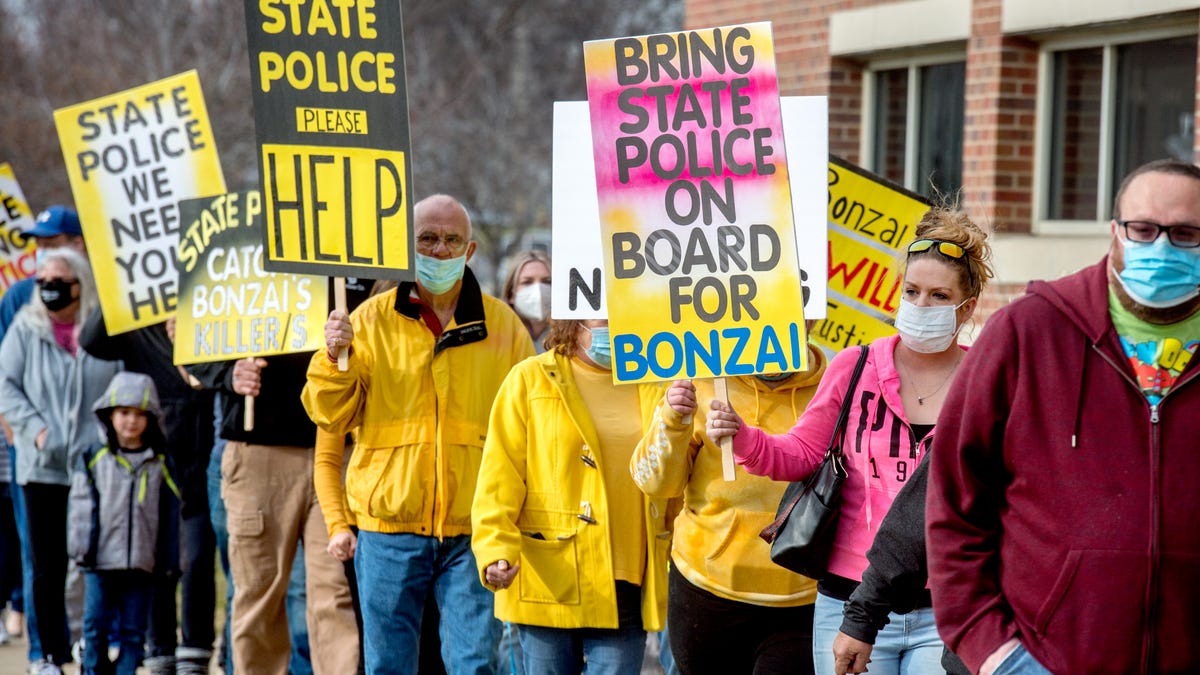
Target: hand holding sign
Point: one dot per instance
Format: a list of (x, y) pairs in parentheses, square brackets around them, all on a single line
[(247, 381), (681, 396), (723, 422), (338, 333)]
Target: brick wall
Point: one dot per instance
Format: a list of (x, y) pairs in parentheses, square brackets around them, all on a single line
[(998, 130), (801, 34)]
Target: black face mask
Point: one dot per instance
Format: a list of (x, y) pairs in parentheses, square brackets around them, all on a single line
[(56, 293)]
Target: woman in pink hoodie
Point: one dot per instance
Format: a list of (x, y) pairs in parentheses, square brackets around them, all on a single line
[(893, 409)]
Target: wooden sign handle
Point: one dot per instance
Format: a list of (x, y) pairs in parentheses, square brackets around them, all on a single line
[(339, 302), (248, 419), (722, 393)]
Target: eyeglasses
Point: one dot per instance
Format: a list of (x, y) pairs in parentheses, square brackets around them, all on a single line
[(1146, 232), (944, 247), (69, 282), (428, 242)]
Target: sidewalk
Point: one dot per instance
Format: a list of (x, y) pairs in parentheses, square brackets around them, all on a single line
[(13, 660)]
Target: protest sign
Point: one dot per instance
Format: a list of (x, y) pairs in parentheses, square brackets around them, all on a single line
[(16, 252), (577, 290), (131, 157), (331, 115), (695, 206), (871, 220), (230, 307)]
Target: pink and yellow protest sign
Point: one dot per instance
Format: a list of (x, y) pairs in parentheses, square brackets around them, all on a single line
[(700, 263)]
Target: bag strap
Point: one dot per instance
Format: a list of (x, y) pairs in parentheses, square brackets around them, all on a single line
[(835, 449), (835, 442)]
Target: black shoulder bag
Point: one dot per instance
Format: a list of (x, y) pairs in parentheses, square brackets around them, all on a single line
[(801, 537)]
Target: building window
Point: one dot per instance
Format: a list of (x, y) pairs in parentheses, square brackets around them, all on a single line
[(1112, 108), (916, 126)]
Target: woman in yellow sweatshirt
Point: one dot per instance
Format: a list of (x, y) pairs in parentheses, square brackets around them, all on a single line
[(576, 554), (732, 610)]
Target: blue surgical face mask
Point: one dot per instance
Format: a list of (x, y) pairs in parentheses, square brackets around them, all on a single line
[(1159, 274), (438, 276), (600, 350)]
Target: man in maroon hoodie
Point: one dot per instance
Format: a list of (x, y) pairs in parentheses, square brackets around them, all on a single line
[(1063, 510)]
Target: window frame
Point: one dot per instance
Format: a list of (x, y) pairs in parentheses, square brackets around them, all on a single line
[(913, 63), (1043, 144)]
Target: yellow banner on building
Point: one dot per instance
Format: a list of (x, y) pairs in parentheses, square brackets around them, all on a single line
[(230, 307), (16, 252), (871, 220), (131, 157)]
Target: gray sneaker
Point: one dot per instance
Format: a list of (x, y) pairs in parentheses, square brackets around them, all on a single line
[(43, 667), (159, 665), (192, 661)]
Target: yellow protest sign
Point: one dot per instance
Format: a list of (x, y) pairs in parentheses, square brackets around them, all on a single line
[(871, 220), (701, 274), (131, 157), (230, 307), (331, 115), (16, 252)]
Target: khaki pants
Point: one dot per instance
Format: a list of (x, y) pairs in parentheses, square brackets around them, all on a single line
[(269, 496)]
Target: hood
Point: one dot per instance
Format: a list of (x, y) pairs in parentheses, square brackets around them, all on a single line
[(130, 390), (790, 387), (809, 378), (1081, 297)]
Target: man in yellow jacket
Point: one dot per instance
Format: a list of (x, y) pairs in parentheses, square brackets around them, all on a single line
[(426, 361)]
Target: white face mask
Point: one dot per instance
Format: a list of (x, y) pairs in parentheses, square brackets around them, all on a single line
[(928, 329), (533, 301)]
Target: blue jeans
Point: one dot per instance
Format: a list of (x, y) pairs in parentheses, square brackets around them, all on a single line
[(561, 651), (299, 663), (18, 503), (908, 645), (1020, 662), (512, 661), (395, 572), (216, 515), (666, 658), (119, 599), (605, 651)]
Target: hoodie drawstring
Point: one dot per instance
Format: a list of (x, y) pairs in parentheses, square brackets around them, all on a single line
[(1079, 402)]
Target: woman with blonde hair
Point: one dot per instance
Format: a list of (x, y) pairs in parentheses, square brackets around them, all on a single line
[(576, 555), (47, 384), (527, 291), (893, 409)]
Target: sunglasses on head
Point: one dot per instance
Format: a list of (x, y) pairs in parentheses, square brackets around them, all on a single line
[(944, 247)]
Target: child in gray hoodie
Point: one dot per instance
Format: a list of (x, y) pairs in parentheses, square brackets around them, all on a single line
[(122, 502)]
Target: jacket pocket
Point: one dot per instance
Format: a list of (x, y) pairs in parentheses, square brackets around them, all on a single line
[(252, 558), (1089, 581), (742, 561), (549, 570), (82, 521), (1178, 646), (381, 480)]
